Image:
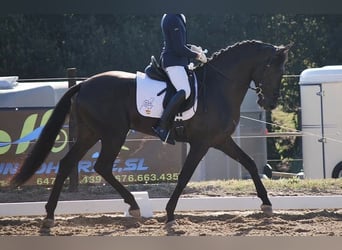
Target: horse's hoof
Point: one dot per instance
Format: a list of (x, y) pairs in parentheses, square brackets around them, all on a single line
[(135, 213), (267, 209), (170, 224), (48, 223)]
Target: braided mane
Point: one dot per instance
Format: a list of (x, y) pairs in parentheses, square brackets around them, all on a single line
[(238, 45)]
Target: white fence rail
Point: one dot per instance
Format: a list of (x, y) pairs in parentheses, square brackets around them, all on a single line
[(148, 206)]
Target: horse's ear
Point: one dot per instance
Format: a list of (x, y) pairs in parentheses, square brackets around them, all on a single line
[(288, 47)]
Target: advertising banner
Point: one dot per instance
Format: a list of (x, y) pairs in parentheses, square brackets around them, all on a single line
[(143, 158)]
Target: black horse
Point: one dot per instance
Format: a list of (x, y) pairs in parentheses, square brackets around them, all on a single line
[(223, 83)]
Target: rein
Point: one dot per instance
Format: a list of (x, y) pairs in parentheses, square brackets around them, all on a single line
[(257, 89), (258, 86), (217, 70), (204, 77)]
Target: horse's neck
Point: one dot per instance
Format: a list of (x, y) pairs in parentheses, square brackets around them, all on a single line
[(232, 83), (237, 90), (222, 96), (229, 76), (220, 93)]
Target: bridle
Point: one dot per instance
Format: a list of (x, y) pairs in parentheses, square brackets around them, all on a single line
[(258, 84), (258, 90)]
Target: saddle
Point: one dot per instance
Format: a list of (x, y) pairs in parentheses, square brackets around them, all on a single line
[(156, 72)]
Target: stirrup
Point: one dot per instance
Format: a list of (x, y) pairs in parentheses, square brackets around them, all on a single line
[(163, 138), (167, 138)]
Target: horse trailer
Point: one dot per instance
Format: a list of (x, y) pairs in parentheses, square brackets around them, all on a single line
[(321, 91)]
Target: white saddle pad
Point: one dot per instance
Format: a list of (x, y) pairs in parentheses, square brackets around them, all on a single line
[(150, 104)]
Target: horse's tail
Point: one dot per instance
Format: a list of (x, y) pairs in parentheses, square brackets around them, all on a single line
[(46, 139)]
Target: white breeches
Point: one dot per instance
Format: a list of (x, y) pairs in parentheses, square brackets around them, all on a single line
[(179, 79)]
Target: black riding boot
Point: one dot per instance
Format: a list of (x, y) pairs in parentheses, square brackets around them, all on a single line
[(169, 113)]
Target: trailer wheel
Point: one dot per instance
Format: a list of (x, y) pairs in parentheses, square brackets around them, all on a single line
[(337, 172)]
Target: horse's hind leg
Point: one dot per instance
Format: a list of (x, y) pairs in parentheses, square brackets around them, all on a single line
[(70, 160), (234, 151), (111, 146)]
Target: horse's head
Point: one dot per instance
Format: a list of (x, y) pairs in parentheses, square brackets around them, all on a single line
[(267, 77)]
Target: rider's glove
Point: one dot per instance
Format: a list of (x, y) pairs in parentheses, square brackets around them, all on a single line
[(196, 49), (202, 57)]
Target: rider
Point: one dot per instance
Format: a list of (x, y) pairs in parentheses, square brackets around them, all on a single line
[(175, 56)]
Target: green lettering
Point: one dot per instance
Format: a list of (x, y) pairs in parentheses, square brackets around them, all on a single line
[(4, 137), (46, 117), (27, 128), (60, 139)]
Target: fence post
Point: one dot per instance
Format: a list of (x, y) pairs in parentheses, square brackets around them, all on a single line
[(73, 185)]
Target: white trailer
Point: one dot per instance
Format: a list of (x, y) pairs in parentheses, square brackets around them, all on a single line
[(321, 103)]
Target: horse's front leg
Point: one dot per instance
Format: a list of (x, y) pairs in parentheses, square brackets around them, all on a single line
[(234, 151), (197, 151)]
